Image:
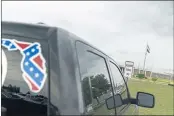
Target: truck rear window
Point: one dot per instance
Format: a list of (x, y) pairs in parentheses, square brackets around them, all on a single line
[(24, 76)]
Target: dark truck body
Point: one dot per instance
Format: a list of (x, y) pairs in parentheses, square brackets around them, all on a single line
[(63, 88)]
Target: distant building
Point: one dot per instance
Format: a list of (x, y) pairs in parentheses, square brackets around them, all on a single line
[(149, 73)]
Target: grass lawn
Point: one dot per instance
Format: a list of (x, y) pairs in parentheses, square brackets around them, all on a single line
[(164, 99)]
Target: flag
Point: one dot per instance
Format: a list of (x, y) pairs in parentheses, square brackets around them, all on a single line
[(148, 49), (32, 64)]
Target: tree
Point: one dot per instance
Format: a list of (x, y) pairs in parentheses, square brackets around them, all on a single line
[(101, 83)]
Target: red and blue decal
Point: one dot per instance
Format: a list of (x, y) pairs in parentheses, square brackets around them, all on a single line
[(33, 63)]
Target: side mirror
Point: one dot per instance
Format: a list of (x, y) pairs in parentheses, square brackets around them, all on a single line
[(145, 100), (110, 101)]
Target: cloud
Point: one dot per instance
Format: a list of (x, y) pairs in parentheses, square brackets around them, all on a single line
[(119, 28)]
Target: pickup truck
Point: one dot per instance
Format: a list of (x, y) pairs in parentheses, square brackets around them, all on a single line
[(48, 71)]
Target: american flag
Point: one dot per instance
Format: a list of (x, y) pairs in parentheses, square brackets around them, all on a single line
[(148, 49), (32, 64)]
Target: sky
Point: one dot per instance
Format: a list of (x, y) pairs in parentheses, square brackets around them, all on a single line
[(121, 29)]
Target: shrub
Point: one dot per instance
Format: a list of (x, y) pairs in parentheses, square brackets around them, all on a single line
[(154, 79), (140, 76), (145, 77)]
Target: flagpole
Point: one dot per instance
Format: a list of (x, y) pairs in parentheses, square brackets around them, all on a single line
[(145, 60)]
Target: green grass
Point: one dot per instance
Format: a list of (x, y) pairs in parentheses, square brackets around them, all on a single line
[(164, 99), (165, 80)]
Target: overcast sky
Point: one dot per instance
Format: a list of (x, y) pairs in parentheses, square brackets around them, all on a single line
[(120, 29)]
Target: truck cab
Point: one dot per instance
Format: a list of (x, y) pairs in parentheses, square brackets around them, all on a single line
[(48, 71)]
